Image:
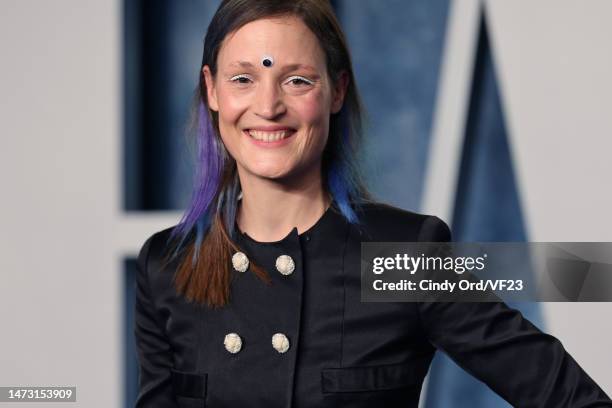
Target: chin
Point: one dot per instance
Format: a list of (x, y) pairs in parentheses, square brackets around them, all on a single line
[(272, 172)]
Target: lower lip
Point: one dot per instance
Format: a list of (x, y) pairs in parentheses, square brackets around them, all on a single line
[(276, 143)]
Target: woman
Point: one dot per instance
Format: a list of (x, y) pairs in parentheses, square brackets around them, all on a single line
[(253, 300)]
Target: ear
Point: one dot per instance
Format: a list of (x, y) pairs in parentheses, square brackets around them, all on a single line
[(339, 92), (211, 91)]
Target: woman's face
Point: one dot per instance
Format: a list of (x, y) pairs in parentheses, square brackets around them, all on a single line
[(274, 120)]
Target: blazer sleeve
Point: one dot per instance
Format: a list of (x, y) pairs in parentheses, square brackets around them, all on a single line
[(154, 352), (497, 345)]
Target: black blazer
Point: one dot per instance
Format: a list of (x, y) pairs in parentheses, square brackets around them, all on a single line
[(342, 353)]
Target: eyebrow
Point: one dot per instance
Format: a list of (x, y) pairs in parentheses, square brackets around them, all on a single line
[(243, 64), (290, 67)]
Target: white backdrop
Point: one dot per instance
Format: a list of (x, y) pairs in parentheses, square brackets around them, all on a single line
[(63, 233)]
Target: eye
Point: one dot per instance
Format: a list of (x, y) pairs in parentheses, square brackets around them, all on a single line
[(299, 81), (241, 79)]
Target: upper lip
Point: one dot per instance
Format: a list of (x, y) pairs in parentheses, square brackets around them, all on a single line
[(270, 128)]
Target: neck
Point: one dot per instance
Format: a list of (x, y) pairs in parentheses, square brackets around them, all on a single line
[(269, 209)]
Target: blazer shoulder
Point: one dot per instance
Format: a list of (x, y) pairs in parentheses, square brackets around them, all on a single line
[(155, 263), (384, 222), (157, 245)]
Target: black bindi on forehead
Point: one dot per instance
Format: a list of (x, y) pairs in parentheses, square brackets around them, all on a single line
[(267, 61)]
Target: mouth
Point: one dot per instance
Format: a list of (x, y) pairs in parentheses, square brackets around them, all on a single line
[(270, 135)]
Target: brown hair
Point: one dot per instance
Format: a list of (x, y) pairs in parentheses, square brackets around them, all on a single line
[(204, 273)]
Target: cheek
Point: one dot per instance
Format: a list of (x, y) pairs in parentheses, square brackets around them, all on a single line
[(231, 110), (231, 106), (314, 109)]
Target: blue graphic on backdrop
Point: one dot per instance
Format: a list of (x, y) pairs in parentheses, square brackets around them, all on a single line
[(487, 208), (397, 50)]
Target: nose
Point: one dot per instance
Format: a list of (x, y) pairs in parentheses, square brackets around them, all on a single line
[(269, 102)]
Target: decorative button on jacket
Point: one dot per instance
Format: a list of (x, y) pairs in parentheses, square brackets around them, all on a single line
[(280, 342), (232, 343), (240, 262), (330, 349), (285, 265)]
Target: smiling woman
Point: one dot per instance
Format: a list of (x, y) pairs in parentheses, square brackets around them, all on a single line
[(253, 299), (279, 124)]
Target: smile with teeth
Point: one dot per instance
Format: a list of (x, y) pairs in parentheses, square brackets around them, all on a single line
[(269, 136)]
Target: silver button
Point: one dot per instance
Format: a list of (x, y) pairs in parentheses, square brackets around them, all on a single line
[(285, 265), (280, 342), (232, 342), (240, 262)]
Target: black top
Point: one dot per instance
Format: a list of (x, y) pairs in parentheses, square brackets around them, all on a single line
[(342, 352)]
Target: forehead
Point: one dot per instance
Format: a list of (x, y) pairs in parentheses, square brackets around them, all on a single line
[(287, 39)]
